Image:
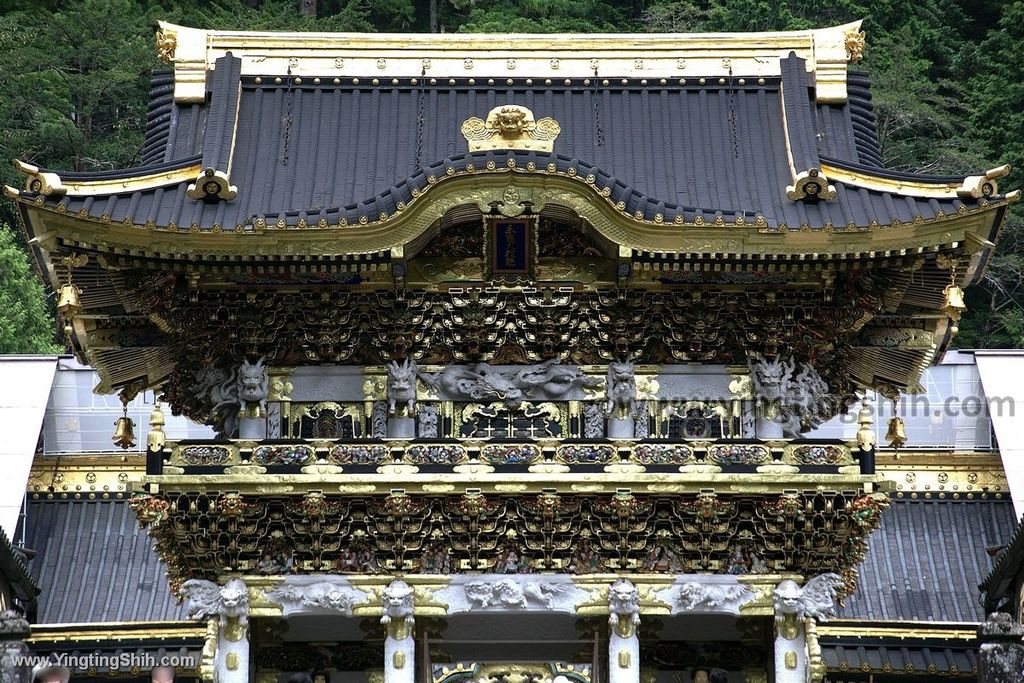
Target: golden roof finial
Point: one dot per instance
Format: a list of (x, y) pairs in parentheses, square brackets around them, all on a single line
[(854, 41), (166, 44)]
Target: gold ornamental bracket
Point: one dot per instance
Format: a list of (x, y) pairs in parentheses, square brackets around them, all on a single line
[(46, 183), (810, 185), (978, 186), (510, 126), (211, 186)]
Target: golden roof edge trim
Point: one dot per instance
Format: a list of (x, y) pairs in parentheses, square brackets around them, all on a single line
[(971, 187), (192, 52), (614, 223), (50, 184)]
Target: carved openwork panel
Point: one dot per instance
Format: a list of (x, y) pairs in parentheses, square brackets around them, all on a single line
[(204, 534)]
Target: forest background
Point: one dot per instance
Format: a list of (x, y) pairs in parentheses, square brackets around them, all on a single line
[(948, 93)]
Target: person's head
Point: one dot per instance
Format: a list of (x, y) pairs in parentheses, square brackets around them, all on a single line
[(50, 673), (299, 678), (162, 674), (321, 677), (700, 676)]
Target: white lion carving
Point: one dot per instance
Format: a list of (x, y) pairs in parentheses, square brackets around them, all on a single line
[(207, 600), (623, 603), (509, 593), (697, 596), (397, 598), (816, 600)]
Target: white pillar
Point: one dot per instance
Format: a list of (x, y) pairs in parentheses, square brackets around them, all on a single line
[(400, 643), (623, 642), (226, 607), (790, 640), (232, 661), (233, 651), (790, 651)]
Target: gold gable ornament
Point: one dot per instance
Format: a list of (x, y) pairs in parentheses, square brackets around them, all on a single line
[(511, 126)]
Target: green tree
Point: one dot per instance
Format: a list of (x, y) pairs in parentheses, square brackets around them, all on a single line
[(25, 325)]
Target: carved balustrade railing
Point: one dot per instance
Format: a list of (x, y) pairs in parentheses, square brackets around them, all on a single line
[(512, 455)]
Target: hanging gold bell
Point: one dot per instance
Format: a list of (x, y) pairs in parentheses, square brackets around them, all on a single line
[(897, 433), (124, 432), (68, 302), (953, 304)]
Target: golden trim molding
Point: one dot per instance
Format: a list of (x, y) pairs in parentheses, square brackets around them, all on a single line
[(104, 476), (944, 474), (51, 184), (906, 630), (504, 483), (116, 631), (971, 187)]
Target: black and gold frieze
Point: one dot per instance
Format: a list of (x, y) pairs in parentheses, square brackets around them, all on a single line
[(210, 533)]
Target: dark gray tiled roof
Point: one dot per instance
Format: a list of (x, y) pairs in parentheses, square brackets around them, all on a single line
[(926, 560), (93, 564), (344, 151)]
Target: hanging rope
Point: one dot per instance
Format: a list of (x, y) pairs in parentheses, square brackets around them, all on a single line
[(420, 96), (286, 120)]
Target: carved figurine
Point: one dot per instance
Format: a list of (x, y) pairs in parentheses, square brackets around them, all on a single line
[(593, 421), (816, 600), (554, 379), (253, 387), (428, 422), (624, 607), (478, 382), (401, 387), (435, 560), (206, 600), (620, 388), (268, 565), (795, 397), (737, 563), (585, 560), (220, 389), (397, 598), (483, 382), (509, 562), (757, 565), (357, 559), (662, 559)]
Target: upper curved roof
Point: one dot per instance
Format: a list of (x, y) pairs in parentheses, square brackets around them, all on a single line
[(333, 130)]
